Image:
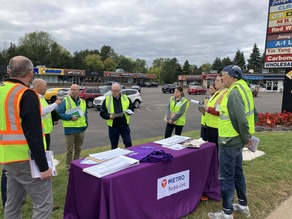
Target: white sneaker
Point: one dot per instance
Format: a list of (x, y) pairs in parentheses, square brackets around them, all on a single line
[(241, 209), (219, 215)]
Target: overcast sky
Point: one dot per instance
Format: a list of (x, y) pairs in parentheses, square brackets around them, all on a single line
[(196, 30)]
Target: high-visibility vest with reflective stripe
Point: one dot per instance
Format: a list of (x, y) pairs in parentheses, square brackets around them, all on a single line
[(110, 107), (225, 126), (81, 121), (13, 144), (47, 119), (175, 108), (212, 120), (203, 117)]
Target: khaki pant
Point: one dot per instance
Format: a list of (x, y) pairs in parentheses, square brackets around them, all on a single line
[(73, 145), (20, 182)]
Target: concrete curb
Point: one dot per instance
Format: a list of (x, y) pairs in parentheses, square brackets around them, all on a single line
[(284, 211)]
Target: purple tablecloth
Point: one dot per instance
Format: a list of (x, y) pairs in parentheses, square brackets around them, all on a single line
[(132, 193)]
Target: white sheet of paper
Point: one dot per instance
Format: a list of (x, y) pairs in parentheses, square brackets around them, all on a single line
[(176, 139)]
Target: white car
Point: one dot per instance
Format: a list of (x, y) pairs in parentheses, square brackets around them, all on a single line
[(133, 94)]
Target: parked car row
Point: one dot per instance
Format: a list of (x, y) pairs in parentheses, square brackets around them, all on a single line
[(86, 93), (168, 88), (149, 84)]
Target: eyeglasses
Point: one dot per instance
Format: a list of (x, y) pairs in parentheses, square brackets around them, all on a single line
[(116, 90)]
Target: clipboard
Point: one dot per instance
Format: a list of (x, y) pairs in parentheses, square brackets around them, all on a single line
[(34, 169)]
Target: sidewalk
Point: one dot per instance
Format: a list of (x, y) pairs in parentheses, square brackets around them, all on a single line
[(284, 211)]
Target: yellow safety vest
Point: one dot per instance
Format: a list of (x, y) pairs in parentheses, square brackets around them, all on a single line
[(225, 126), (212, 120), (203, 117), (13, 144), (175, 108), (110, 107), (81, 121), (47, 119)]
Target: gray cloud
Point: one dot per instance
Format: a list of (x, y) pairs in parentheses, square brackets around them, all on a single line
[(198, 31)]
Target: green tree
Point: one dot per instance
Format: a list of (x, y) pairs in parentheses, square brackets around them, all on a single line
[(107, 52), (186, 70), (94, 62), (110, 64), (156, 71), (170, 70), (239, 59), (79, 59), (207, 67), (158, 62), (125, 63), (7, 53), (255, 59), (200, 70), (217, 64), (139, 66), (226, 61), (36, 46), (194, 70), (59, 57)]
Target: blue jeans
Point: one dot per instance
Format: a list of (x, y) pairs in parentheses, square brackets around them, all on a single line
[(231, 177), (114, 135)]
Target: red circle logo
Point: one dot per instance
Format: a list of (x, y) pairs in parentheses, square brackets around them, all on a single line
[(163, 183)]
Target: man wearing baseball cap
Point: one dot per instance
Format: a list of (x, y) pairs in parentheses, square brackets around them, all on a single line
[(236, 124)]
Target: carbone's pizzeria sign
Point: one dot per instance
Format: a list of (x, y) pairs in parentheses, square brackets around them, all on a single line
[(278, 52)]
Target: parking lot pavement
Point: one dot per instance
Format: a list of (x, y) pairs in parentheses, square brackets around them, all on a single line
[(147, 121)]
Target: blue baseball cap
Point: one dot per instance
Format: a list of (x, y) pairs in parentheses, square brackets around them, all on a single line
[(233, 71)]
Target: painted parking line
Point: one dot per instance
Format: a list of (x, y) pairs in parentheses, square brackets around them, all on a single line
[(148, 109), (159, 108)]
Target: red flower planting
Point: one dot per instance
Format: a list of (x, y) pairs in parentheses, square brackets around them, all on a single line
[(275, 119)]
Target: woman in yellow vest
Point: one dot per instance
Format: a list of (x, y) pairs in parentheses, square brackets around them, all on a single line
[(202, 107), (212, 111), (176, 113)]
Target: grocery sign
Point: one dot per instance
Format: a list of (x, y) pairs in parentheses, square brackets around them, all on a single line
[(278, 52)]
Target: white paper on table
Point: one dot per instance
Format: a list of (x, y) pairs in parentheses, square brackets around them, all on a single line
[(106, 155), (176, 139), (111, 166), (88, 161), (175, 147)]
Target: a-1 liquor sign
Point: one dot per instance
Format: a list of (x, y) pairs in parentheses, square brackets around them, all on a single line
[(278, 52)]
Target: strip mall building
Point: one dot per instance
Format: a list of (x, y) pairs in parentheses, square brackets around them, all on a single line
[(66, 77), (266, 81)]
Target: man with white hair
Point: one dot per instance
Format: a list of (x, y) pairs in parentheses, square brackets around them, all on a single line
[(114, 111)]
